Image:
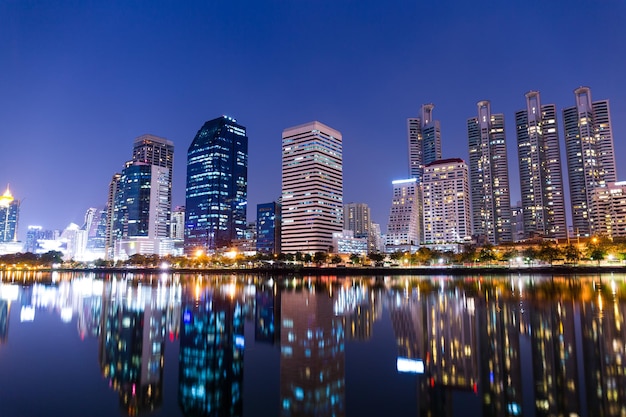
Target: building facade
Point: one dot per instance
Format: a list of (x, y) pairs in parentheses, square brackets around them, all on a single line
[(489, 177), (541, 178), (424, 141), (590, 155), (446, 203), (139, 202), (357, 218), (312, 187), (609, 207), (9, 215), (217, 186), (403, 229), (268, 228)]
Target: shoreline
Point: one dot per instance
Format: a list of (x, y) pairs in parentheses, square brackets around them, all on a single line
[(354, 270)]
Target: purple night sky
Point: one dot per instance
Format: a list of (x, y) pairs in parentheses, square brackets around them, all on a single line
[(80, 80)]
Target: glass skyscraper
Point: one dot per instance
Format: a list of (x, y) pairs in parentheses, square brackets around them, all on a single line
[(268, 228), (140, 201), (217, 186)]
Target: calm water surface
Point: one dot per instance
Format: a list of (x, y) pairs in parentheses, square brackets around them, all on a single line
[(227, 345)]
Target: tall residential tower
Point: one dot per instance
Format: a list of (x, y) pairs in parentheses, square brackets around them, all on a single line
[(312, 187), (424, 141), (590, 156), (541, 178), (489, 177)]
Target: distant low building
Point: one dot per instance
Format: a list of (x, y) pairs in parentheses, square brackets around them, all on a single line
[(345, 242)]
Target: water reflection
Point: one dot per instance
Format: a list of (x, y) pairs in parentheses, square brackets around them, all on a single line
[(491, 346)]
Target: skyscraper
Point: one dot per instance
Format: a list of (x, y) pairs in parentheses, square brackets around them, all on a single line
[(140, 201), (489, 177), (268, 228), (403, 227), (446, 201), (357, 217), (312, 187), (424, 141), (217, 186), (590, 156), (541, 179), (9, 213)]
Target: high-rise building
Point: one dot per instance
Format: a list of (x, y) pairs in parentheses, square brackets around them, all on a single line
[(9, 214), (446, 203), (177, 225), (140, 201), (541, 178), (489, 177), (590, 155), (424, 141), (403, 227), (217, 186), (109, 239), (609, 207), (356, 217), (268, 228), (312, 187)]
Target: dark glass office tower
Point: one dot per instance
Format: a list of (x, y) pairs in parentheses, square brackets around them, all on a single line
[(268, 228), (217, 185)]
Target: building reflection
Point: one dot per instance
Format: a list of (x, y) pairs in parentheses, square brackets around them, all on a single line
[(267, 315), (312, 362), (132, 343), (470, 345), (532, 347), (604, 338), (4, 320), (211, 352)]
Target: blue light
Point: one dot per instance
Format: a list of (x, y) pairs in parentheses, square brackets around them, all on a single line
[(187, 317)]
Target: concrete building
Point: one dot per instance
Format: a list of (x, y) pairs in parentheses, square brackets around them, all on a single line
[(609, 207), (590, 155), (403, 228), (446, 203), (489, 177), (357, 218), (312, 187), (541, 177)]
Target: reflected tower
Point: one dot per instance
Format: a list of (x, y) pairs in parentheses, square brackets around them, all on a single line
[(312, 361)]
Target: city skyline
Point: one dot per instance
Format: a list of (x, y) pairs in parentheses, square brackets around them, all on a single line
[(66, 92)]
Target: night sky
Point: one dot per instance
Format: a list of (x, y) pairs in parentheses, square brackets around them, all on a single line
[(79, 80)]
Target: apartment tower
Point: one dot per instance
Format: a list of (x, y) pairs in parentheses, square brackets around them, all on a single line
[(446, 201), (489, 177), (541, 178), (590, 155)]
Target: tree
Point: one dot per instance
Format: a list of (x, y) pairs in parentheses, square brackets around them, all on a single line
[(530, 254), (548, 252), (571, 253), (376, 257), (336, 259), (487, 254), (320, 257), (355, 258)]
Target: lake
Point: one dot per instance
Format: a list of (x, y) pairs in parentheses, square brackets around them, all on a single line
[(87, 344)]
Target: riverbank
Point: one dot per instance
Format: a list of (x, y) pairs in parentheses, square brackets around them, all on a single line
[(300, 270)]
